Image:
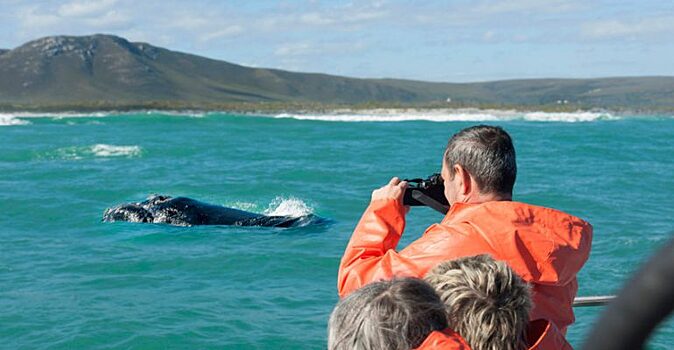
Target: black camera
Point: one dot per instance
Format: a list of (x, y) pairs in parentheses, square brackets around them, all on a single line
[(427, 192)]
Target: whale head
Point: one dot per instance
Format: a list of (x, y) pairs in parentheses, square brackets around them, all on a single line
[(128, 212)]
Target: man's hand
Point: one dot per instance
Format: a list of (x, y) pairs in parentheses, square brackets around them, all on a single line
[(394, 190)]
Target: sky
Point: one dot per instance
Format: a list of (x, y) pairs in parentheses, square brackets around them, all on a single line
[(450, 41)]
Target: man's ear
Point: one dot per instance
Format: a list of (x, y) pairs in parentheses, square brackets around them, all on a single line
[(464, 179)]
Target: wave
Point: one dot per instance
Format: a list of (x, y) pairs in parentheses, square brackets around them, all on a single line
[(102, 150), (189, 114), (570, 117), (98, 150), (7, 120), (279, 206), (57, 115), (452, 116), (103, 114), (347, 115)]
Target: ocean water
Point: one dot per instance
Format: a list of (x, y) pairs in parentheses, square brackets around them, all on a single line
[(69, 281)]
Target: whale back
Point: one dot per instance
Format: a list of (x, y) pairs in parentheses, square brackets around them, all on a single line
[(183, 211), (187, 211)]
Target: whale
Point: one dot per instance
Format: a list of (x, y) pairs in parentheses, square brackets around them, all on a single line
[(184, 211)]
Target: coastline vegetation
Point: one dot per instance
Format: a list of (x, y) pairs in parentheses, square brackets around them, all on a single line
[(314, 107)]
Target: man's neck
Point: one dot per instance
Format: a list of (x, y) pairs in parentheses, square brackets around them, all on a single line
[(488, 197)]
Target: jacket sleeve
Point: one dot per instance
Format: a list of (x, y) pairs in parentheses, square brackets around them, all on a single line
[(370, 255)]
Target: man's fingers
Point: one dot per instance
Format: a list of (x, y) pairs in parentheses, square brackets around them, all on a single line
[(395, 189)]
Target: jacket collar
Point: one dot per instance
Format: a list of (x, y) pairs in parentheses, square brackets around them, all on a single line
[(446, 339)]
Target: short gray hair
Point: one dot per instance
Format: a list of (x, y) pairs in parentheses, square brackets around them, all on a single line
[(486, 301), (397, 314), (488, 154)]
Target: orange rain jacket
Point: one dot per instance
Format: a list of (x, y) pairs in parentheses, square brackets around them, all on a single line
[(544, 335), (444, 340), (546, 247), (541, 334)]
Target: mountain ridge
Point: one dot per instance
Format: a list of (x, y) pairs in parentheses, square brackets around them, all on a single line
[(110, 70)]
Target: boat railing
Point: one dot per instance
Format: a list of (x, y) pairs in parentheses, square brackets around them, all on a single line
[(596, 300)]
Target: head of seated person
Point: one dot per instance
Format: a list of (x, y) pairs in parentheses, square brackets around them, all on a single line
[(396, 314), (485, 300)]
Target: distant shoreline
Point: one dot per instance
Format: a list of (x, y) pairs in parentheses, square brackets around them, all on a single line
[(314, 108)]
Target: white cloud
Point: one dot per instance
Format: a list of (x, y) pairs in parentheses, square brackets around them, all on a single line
[(40, 20), (111, 20), (363, 16), (32, 17), (612, 29), (315, 18), (82, 8), (295, 49), (505, 13), (339, 16), (526, 6), (221, 33), (309, 49), (188, 22)]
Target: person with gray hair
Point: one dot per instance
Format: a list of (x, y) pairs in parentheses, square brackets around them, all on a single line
[(486, 302), (399, 314), (544, 246)]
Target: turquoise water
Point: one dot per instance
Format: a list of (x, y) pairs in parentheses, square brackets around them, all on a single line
[(69, 281)]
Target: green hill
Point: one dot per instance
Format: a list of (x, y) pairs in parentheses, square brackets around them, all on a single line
[(108, 70)]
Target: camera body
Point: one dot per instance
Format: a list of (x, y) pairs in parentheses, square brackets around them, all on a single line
[(420, 190)]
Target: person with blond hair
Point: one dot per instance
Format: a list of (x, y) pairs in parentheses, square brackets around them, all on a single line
[(489, 305)]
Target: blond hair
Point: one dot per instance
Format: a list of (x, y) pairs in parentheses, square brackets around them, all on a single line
[(397, 315), (486, 302)]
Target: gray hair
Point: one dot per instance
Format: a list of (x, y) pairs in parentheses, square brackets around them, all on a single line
[(488, 154), (397, 314), (486, 301)]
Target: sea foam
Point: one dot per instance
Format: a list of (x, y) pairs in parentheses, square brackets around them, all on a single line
[(103, 150), (293, 207), (570, 117), (94, 151), (8, 119), (348, 115), (111, 113), (56, 115)]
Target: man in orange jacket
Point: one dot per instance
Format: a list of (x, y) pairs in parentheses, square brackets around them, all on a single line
[(546, 247)]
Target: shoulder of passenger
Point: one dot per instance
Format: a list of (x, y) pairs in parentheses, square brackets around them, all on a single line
[(444, 340)]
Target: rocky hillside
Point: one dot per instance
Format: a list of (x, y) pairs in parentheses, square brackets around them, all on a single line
[(71, 70)]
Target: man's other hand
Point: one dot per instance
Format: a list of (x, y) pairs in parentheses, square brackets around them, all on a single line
[(395, 189)]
